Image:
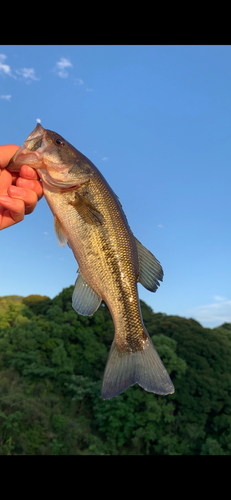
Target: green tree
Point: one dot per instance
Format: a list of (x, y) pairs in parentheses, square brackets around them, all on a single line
[(51, 368), (38, 304)]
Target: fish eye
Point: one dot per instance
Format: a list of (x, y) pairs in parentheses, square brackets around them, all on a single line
[(59, 142)]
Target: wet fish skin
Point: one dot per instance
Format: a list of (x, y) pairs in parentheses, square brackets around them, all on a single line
[(89, 216)]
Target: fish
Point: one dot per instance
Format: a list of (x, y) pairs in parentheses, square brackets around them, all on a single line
[(89, 217)]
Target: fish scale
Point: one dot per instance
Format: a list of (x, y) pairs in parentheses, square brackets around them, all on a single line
[(89, 217)]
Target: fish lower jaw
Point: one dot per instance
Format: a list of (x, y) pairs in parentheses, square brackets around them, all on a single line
[(26, 157), (56, 184)]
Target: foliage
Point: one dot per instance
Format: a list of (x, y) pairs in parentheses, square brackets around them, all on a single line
[(51, 368), (8, 299)]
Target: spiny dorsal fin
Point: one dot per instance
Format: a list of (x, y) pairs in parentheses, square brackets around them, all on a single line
[(150, 270)]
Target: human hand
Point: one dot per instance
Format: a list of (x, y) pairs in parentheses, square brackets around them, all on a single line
[(19, 192)]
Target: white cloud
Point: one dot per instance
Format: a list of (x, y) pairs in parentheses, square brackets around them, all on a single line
[(104, 158), (61, 66), (27, 73), (217, 312), (90, 90), (4, 68), (38, 120), (160, 225), (219, 298), (79, 81), (6, 97)]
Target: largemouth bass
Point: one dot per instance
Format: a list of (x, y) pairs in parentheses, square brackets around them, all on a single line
[(89, 217)]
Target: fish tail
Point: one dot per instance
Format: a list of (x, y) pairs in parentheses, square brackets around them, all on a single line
[(143, 367)]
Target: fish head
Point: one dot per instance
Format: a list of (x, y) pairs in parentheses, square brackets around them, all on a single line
[(58, 163)]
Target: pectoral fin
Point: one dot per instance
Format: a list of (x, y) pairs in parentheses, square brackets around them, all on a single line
[(61, 237), (84, 300), (150, 270), (87, 211)]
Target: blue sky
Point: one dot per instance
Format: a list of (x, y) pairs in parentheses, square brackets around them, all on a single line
[(156, 121)]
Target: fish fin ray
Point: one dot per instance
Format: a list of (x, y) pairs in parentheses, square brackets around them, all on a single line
[(150, 269), (87, 211), (61, 237), (142, 367), (84, 300)]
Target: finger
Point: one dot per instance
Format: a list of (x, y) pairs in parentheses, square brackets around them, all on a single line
[(6, 219), (28, 196), (14, 210), (29, 173), (14, 176), (33, 185), (5, 181), (6, 153)]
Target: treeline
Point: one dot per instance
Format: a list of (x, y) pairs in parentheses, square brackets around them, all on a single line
[(51, 368)]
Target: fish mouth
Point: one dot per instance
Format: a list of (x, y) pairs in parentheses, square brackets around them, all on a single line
[(30, 151), (35, 139)]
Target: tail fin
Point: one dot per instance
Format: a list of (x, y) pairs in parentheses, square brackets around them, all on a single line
[(142, 367)]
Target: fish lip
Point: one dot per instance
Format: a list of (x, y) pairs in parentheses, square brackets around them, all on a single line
[(34, 140), (18, 159), (37, 132), (29, 148)]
